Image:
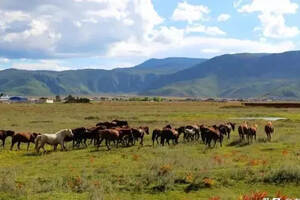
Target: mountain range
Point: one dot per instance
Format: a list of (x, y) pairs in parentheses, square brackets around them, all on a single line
[(231, 75)]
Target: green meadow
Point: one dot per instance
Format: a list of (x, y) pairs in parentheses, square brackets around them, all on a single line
[(184, 172)]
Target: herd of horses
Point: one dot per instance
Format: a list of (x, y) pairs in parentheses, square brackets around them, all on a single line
[(119, 132)]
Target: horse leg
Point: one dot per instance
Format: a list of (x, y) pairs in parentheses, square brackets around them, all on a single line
[(55, 147), (19, 145), (12, 145), (3, 142), (107, 144), (28, 146), (142, 141), (62, 146)]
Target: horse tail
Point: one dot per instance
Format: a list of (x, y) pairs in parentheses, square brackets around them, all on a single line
[(37, 139)]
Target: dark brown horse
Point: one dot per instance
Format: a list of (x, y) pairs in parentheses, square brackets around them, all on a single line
[(92, 134), (108, 135), (120, 123), (156, 134), (227, 128), (4, 134), (126, 136), (252, 133), (269, 129), (169, 134), (23, 138), (204, 133), (139, 133), (214, 133), (243, 131), (108, 125), (78, 136)]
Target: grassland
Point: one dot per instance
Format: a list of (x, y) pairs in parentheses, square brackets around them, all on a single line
[(186, 171)]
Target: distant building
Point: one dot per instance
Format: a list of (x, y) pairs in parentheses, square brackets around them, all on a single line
[(45, 100), (4, 99), (17, 99)]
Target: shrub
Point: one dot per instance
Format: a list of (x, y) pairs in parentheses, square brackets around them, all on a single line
[(286, 174)]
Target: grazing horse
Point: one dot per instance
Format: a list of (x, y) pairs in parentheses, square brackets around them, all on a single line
[(126, 136), (4, 134), (23, 137), (52, 139), (120, 123), (243, 131), (252, 133), (269, 129), (204, 133), (108, 125), (169, 134), (140, 133), (196, 130), (92, 134), (227, 128), (156, 134), (108, 135), (79, 134), (214, 134)]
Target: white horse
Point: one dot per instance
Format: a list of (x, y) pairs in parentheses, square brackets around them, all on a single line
[(53, 139)]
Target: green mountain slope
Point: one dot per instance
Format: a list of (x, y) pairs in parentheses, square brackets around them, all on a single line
[(236, 75)]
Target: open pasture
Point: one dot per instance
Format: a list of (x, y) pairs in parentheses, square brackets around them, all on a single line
[(185, 171)]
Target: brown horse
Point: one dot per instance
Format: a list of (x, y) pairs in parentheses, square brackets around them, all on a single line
[(269, 129), (92, 134), (108, 135), (204, 133), (4, 134), (227, 128), (108, 125), (23, 138), (243, 130), (126, 136), (169, 134), (120, 123), (252, 133), (140, 133), (156, 134), (214, 133)]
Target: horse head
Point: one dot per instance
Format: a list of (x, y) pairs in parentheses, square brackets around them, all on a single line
[(232, 125), (10, 133), (67, 133)]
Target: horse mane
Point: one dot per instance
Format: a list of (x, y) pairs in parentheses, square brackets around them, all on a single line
[(269, 123), (63, 130)]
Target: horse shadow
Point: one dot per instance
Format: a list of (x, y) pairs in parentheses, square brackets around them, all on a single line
[(238, 143)]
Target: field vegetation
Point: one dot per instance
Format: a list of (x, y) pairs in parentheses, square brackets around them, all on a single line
[(185, 171)]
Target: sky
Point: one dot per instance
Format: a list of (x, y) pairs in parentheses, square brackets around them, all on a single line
[(105, 34)]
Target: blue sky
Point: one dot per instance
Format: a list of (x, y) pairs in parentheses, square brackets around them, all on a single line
[(105, 34)]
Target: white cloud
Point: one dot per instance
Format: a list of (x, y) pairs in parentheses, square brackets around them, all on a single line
[(223, 17), (72, 28), (272, 19), (190, 13), (4, 60), (209, 30), (52, 65)]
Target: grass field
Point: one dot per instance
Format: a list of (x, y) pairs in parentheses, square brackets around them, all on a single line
[(185, 171)]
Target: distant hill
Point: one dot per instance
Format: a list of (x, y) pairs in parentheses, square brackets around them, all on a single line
[(164, 66), (237, 75), (90, 81), (231, 75)]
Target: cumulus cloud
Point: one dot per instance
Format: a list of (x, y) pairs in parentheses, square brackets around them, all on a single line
[(72, 28), (52, 65), (209, 30), (190, 13), (272, 19), (50, 32), (223, 17)]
